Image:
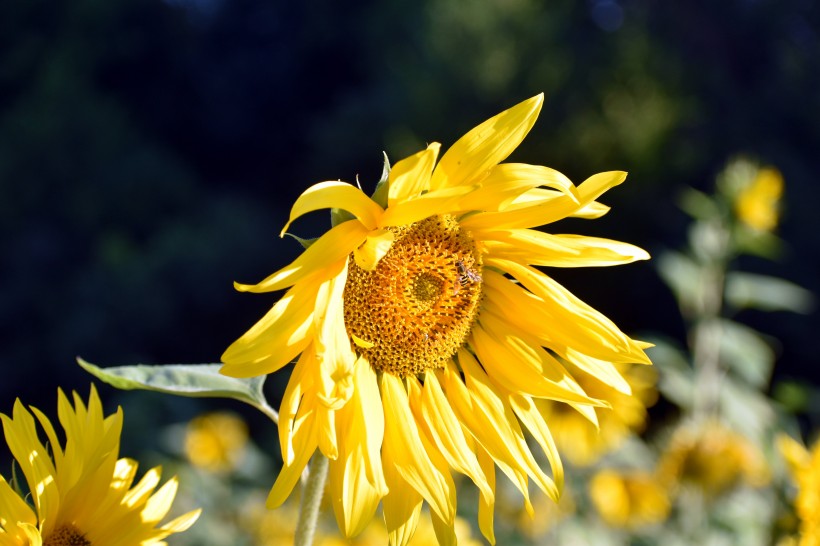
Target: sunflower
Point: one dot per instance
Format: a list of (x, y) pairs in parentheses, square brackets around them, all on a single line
[(804, 468), (426, 337), (629, 499), (216, 441), (712, 458), (758, 202), (82, 493)]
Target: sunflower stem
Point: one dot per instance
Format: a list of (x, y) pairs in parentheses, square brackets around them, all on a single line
[(312, 493)]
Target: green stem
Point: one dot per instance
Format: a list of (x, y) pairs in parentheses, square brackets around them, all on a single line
[(311, 499)]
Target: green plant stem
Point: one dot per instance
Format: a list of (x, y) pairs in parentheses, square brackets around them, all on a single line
[(707, 333), (312, 493)]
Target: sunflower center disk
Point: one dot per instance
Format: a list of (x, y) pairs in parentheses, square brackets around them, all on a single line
[(418, 305), (66, 535)]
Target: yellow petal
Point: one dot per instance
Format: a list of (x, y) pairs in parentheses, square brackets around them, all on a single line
[(487, 424), (411, 176), (37, 466), (305, 442), (604, 371), (545, 249), (340, 195), (372, 415), (441, 201), (32, 534), (183, 522), (278, 337), (445, 532), (300, 382), (487, 145), (519, 366), (140, 493), (356, 480), (492, 402), (486, 507), (403, 446), (580, 326), (544, 211), (527, 411), (13, 510), (507, 181), (444, 428), (373, 249), (160, 502), (401, 506), (330, 248)]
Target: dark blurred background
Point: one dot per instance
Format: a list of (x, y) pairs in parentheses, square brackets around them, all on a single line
[(150, 150)]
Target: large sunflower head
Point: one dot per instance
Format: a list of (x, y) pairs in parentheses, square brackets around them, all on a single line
[(427, 339), (82, 492)]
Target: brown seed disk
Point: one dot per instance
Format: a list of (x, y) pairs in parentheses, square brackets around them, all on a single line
[(418, 305)]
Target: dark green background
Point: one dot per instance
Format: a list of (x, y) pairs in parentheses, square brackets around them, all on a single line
[(149, 151)]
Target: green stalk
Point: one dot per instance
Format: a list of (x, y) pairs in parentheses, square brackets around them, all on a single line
[(312, 493)]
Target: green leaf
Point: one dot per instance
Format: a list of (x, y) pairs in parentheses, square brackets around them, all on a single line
[(305, 242), (683, 275), (698, 205), (676, 379), (746, 353), (747, 290), (193, 380), (380, 194), (339, 216), (748, 411)]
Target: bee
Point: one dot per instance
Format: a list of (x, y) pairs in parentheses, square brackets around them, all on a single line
[(465, 275)]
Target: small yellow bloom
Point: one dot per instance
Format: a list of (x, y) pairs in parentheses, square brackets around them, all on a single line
[(629, 499), (427, 339), (758, 204), (82, 494), (804, 467), (216, 441), (712, 458)]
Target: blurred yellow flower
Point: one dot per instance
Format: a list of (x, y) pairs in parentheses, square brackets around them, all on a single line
[(758, 204), (427, 338), (804, 467), (575, 432), (629, 499), (82, 493), (216, 441), (275, 528), (713, 458)]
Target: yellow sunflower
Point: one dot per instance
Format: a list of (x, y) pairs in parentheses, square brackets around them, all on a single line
[(758, 203), (804, 467), (82, 493), (629, 499), (216, 441), (426, 337), (713, 458)]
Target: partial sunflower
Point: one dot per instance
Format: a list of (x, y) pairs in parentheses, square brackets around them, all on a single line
[(82, 493), (425, 335), (629, 499), (712, 458), (804, 469)]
